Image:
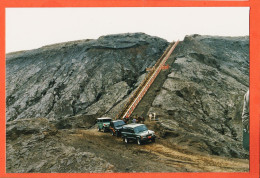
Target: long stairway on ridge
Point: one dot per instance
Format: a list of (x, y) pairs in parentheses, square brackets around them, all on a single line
[(146, 83)]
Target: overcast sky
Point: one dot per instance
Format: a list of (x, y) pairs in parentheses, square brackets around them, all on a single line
[(30, 28)]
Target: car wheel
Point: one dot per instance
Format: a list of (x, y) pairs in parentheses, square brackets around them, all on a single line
[(139, 141), (126, 140), (153, 140), (99, 129)]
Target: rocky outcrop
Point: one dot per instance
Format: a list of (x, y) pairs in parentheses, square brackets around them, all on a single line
[(82, 77), (29, 126), (33, 139), (200, 102)]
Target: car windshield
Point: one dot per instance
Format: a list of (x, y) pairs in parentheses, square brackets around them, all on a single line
[(140, 128), (119, 123)]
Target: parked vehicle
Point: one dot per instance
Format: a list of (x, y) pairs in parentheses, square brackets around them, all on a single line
[(116, 127), (103, 123), (137, 132)]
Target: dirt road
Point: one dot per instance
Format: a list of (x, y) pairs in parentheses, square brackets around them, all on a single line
[(151, 157)]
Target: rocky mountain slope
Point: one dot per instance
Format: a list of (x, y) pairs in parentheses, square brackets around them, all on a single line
[(200, 103), (66, 86), (89, 76)]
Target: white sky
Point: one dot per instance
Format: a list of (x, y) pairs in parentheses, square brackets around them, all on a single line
[(30, 28)]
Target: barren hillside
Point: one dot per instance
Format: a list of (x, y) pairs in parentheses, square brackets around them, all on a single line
[(55, 93)]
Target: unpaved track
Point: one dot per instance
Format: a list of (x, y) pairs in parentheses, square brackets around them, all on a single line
[(151, 157)]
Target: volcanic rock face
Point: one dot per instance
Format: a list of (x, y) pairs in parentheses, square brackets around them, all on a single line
[(67, 79), (55, 90), (42, 151), (201, 101)]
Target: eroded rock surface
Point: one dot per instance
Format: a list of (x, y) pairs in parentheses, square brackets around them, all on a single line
[(81, 77), (56, 89), (201, 100), (34, 145)]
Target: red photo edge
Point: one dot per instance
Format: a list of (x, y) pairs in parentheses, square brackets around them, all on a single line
[(254, 78)]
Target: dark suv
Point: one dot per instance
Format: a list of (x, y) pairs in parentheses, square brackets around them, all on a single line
[(116, 127), (137, 132)]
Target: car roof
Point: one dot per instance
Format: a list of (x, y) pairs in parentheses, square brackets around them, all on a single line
[(133, 125), (101, 118), (117, 121)]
